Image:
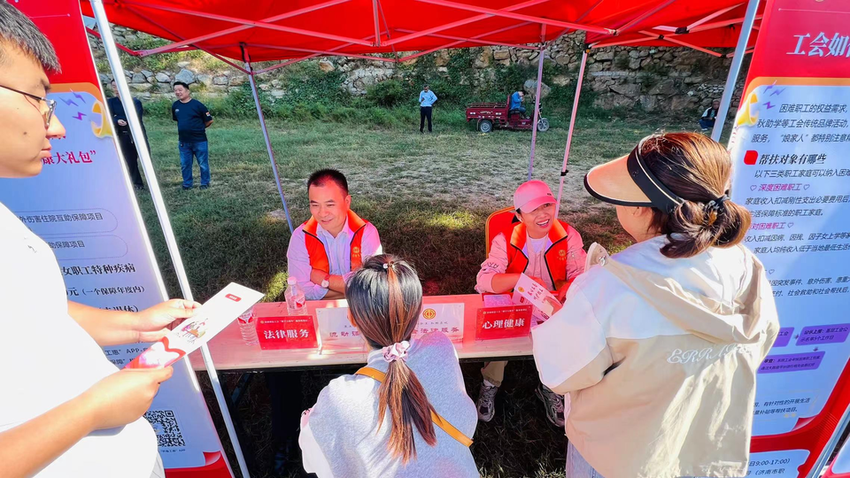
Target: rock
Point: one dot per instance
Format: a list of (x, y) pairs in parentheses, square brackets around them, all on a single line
[(164, 88), (143, 95), (634, 54), (611, 101), (679, 103), (605, 56), (139, 78), (563, 60), (442, 58), (561, 80), (220, 80), (667, 56), (163, 78), (147, 73), (483, 58), (185, 76), (183, 64), (666, 88), (276, 83), (501, 55), (443, 69), (264, 86), (648, 103), (634, 63), (326, 66), (629, 90), (205, 79), (645, 62), (278, 93), (643, 54), (531, 85), (141, 87), (237, 80)]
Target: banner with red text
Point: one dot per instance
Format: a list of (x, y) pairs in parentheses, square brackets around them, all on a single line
[(83, 205), (789, 149)]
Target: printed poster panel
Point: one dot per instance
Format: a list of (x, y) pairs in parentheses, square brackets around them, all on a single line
[(789, 150)]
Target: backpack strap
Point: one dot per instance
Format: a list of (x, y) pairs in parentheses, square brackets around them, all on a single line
[(435, 417)]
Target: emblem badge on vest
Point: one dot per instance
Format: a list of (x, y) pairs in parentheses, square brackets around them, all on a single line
[(562, 255)]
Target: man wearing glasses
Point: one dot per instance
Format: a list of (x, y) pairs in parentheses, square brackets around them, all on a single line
[(65, 410)]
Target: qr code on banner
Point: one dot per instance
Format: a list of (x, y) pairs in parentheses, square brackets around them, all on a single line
[(168, 432)]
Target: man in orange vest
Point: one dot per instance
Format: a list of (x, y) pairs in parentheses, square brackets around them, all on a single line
[(334, 242), (544, 248), (323, 253)]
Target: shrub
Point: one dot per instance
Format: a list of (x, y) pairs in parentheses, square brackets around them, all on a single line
[(387, 93)]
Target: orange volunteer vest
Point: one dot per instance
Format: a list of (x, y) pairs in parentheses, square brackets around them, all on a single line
[(316, 250), (555, 257)]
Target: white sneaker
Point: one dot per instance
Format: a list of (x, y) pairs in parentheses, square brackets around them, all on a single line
[(486, 401), (554, 405)]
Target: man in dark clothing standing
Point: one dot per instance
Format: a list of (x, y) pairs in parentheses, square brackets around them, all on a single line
[(125, 138), (193, 118)]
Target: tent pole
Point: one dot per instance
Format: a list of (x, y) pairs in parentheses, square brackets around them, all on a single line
[(579, 81), (266, 136), (737, 59), (536, 109), (161, 211)]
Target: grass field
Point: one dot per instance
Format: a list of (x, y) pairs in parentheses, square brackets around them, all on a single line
[(428, 195)]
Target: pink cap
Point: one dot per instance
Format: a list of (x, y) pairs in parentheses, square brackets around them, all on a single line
[(532, 194)]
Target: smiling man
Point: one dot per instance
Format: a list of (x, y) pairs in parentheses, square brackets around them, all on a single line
[(544, 248), (334, 242)]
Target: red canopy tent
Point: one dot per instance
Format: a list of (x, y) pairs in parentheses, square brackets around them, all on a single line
[(402, 30)]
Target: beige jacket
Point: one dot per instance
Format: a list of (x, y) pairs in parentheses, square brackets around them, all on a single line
[(659, 357)]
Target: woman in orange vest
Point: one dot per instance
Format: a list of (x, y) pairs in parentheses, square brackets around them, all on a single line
[(546, 249)]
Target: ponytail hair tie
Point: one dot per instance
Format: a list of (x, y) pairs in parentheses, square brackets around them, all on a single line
[(396, 351), (716, 204)]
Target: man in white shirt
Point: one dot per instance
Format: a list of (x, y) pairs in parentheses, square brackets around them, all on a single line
[(427, 98), (334, 242), (65, 410), (323, 253)]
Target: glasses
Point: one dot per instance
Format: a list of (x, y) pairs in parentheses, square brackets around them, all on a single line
[(51, 104)]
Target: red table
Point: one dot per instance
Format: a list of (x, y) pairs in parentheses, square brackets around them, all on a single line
[(229, 351)]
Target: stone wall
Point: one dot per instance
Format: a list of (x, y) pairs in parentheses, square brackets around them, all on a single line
[(656, 79)]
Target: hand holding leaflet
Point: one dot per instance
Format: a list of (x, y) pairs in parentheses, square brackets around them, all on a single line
[(535, 294), (210, 319)]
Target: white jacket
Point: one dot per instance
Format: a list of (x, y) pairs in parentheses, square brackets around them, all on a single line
[(660, 357)]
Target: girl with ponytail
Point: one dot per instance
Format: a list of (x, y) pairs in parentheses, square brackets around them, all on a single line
[(407, 412), (658, 346)]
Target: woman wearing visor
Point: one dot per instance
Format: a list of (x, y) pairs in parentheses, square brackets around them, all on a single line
[(659, 345)]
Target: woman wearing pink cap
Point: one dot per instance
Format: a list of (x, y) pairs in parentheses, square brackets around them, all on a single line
[(546, 249), (659, 345)]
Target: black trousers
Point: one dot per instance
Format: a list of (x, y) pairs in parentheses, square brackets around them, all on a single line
[(424, 112), (287, 404), (131, 157)]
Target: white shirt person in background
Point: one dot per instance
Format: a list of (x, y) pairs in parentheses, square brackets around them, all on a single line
[(65, 410), (427, 98)]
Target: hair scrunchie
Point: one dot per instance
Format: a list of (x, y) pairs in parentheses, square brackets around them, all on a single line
[(397, 351)]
